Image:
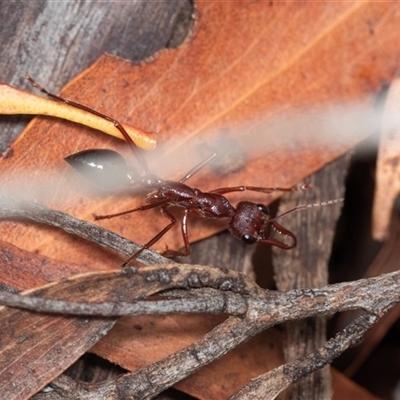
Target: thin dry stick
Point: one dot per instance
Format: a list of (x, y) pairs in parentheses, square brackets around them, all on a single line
[(13, 207), (268, 386), (233, 292), (376, 295), (263, 309)]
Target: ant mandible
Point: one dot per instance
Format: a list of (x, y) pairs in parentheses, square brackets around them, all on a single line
[(247, 221)]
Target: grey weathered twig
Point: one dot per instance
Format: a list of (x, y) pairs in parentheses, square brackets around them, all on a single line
[(207, 290), (376, 295), (13, 207), (272, 307), (269, 385)]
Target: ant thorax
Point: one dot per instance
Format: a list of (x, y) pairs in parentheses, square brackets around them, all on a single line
[(203, 204)]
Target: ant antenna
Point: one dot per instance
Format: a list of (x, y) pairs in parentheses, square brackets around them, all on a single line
[(305, 206)]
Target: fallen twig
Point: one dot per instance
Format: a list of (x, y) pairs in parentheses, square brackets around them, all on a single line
[(194, 289)]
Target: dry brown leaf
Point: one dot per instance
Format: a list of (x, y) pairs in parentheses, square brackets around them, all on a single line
[(36, 348), (228, 375), (345, 389), (246, 62), (147, 339), (23, 270), (255, 62)]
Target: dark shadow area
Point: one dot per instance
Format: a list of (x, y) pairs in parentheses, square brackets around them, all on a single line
[(354, 252)]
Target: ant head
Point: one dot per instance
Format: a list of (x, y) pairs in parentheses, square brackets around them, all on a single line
[(251, 223)]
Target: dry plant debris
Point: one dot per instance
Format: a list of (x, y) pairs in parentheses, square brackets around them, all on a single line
[(288, 64), (183, 289)]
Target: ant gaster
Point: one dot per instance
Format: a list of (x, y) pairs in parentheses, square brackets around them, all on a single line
[(247, 221)]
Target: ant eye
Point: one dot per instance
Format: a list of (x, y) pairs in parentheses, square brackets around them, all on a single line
[(248, 239), (263, 209)]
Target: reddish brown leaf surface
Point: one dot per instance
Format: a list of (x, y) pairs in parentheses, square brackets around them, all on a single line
[(345, 389), (149, 339), (152, 339), (36, 348), (245, 62)]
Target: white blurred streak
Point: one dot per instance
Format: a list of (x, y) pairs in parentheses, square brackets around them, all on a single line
[(327, 129), (47, 189), (298, 133)]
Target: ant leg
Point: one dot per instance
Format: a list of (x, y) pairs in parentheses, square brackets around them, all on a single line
[(197, 168), (258, 189), (139, 156), (156, 238), (170, 253), (141, 208)]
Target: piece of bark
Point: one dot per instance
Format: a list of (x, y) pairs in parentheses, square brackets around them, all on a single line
[(306, 266)]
